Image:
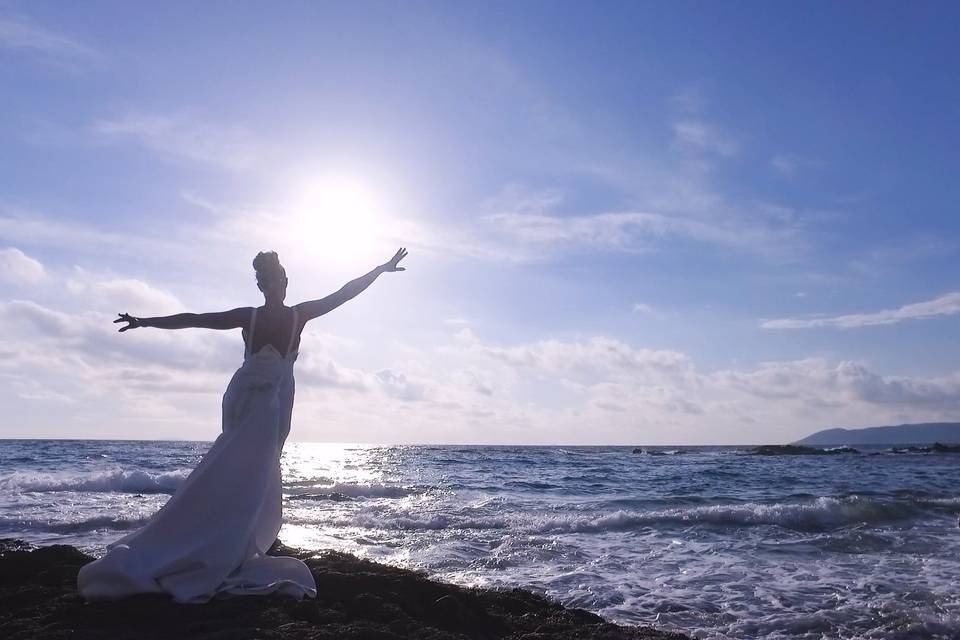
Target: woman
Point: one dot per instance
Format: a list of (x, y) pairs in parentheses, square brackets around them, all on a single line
[(212, 535)]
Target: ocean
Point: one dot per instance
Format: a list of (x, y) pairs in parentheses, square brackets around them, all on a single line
[(711, 541)]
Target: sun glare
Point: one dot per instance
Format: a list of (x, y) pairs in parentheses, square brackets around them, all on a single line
[(340, 215)]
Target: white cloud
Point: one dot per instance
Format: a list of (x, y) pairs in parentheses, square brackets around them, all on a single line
[(594, 389), (623, 393), (697, 135), (18, 268), (19, 34), (521, 226), (28, 228), (690, 100), (181, 136), (120, 294), (644, 309), (595, 355), (399, 386), (630, 232), (816, 383), (790, 163), (37, 318), (945, 305), (319, 369)]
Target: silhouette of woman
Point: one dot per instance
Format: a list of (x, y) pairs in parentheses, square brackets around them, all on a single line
[(212, 535)]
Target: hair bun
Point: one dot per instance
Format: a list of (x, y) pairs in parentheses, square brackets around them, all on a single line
[(267, 261)]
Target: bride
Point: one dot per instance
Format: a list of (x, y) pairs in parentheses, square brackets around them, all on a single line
[(212, 535)]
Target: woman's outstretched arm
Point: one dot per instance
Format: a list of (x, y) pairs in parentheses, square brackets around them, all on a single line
[(315, 308), (239, 317)]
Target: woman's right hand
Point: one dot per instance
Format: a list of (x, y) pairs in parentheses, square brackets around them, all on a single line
[(133, 322), (391, 266)]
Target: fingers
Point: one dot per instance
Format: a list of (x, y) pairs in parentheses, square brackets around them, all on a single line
[(397, 257), (125, 317), (400, 255)]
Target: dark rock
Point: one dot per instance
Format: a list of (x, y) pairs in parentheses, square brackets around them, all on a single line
[(936, 447), (798, 450), (357, 599), (939, 447)]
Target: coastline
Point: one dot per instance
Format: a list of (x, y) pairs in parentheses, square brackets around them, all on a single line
[(356, 599)]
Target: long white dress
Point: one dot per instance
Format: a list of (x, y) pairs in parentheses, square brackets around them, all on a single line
[(212, 535)]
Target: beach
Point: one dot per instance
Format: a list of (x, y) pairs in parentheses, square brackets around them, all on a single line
[(355, 599)]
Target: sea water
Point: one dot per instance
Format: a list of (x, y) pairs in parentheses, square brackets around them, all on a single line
[(711, 541)]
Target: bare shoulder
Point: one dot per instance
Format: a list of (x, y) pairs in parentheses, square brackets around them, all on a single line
[(240, 313), (302, 312), (302, 309), (234, 318)]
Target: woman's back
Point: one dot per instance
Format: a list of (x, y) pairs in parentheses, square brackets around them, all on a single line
[(277, 327)]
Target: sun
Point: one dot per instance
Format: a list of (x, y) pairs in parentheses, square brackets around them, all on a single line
[(340, 215)]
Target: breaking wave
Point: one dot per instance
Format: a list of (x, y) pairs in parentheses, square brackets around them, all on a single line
[(78, 526), (821, 514), (116, 480)]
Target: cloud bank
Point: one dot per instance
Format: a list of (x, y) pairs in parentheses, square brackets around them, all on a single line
[(69, 373)]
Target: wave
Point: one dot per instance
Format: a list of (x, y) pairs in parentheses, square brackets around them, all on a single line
[(949, 506), (822, 514), (819, 515), (103, 522), (79, 526), (332, 497), (661, 452), (116, 480), (350, 490), (522, 484), (404, 523), (308, 483)]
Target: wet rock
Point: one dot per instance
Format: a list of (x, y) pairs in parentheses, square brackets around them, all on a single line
[(939, 447), (936, 447), (798, 450)]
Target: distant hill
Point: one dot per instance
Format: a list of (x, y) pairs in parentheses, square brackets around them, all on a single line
[(946, 432)]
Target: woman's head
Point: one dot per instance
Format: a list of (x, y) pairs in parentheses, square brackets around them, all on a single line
[(271, 276)]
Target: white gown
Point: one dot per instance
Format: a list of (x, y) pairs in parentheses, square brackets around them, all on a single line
[(212, 535)]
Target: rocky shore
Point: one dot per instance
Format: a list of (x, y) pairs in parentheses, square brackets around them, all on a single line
[(357, 599)]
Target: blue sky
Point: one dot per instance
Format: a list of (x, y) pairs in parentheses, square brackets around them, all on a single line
[(628, 222)]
